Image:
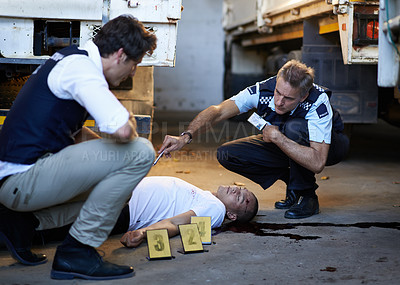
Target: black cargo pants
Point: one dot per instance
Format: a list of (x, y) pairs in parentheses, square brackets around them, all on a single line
[(264, 163)]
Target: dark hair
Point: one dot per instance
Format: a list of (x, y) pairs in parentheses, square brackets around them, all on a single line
[(244, 217), (128, 33), (298, 75)]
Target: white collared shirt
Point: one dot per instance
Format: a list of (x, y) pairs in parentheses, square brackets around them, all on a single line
[(157, 198), (80, 78)]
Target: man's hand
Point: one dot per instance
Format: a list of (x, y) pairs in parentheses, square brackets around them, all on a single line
[(203, 121), (270, 133), (133, 123), (127, 132), (133, 238), (312, 157), (172, 143)]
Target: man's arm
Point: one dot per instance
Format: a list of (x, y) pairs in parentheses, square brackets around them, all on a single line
[(136, 237), (313, 157), (124, 134), (127, 132), (201, 123)]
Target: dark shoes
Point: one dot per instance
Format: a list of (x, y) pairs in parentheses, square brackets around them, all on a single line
[(24, 256), (305, 207), (291, 198), (298, 206), (16, 232), (86, 263)]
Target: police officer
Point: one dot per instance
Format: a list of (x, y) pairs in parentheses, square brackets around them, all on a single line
[(303, 135)]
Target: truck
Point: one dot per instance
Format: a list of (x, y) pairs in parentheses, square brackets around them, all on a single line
[(353, 46), (31, 31)]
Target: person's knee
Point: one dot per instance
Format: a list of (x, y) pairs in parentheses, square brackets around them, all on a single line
[(297, 130), (144, 151), (339, 149), (147, 149), (222, 153)]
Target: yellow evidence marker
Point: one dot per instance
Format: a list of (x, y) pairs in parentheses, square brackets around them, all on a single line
[(158, 244), (204, 225), (190, 237)]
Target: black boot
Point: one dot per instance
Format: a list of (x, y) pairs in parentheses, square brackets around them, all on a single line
[(16, 232), (291, 198), (304, 208), (75, 260)]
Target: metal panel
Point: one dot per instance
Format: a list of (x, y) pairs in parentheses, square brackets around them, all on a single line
[(294, 11), (388, 63), (273, 7), (166, 33), (56, 9), (17, 24), (351, 53), (239, 12), (159, 11), (154, 11), (16, 37), (164, 55)]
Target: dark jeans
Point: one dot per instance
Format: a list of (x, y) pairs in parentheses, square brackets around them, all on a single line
[(264, 163)]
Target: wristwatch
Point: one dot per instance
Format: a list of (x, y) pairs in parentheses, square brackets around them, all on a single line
[(190, 136)]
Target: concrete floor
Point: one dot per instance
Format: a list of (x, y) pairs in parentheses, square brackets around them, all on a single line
[(354, 240)]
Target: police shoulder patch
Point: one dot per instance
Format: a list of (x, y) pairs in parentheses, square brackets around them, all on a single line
[(252, 89), (322, 111)]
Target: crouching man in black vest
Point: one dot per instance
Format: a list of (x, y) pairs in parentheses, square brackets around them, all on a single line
[(303, 134), (55, 172)]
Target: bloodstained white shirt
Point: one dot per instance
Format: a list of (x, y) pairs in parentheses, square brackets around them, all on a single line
[(157, 198)]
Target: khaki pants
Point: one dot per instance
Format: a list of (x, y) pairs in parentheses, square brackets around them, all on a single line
[(87, 184)]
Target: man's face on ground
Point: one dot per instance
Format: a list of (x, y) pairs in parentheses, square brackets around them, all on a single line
[(286, 98), (236, 199)]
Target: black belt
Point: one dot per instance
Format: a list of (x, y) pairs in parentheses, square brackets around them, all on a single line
[(4, 180)]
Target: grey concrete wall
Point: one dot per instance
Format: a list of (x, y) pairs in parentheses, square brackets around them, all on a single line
[(196, 80)]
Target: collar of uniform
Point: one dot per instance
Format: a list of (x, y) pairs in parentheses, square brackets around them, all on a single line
[(271, 104), (94, 54)]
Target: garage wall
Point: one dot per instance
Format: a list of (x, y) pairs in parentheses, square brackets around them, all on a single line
[(196, 80)]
